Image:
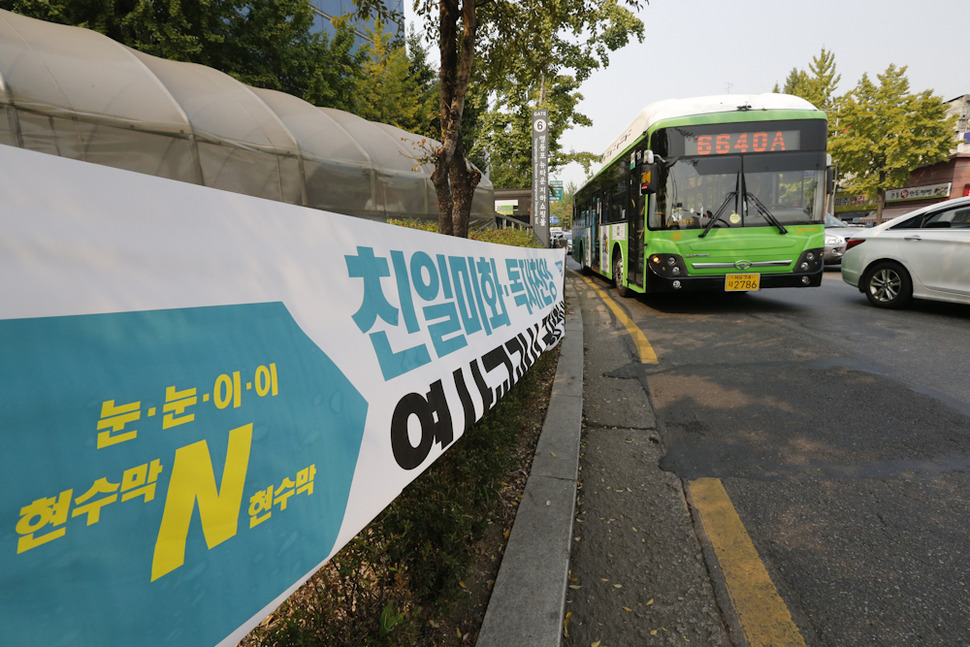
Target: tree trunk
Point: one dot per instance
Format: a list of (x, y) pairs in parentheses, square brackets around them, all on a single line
[(442, 189), (464, 180), (453, 181)]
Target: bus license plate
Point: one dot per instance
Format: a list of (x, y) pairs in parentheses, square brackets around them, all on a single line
[(742, 282)]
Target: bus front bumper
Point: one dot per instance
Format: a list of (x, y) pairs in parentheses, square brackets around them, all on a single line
[(657, 283)]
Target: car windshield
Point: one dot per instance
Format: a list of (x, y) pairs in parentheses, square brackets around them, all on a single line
[(777, 190), (832, 221)]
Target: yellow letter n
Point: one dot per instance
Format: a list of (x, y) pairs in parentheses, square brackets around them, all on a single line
[(193, 479)]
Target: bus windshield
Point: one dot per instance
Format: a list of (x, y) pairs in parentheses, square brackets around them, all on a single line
[(772, 190)]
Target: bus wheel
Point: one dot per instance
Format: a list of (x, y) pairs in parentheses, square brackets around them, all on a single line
[(621, 288)]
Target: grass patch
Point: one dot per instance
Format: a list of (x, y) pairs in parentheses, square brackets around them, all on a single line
[(514, 237)]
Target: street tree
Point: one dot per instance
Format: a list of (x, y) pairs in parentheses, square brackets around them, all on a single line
[(393, 88), (884, 132), (424, 79), (506, 137), (529, 40), (818, 84), (335, 73)]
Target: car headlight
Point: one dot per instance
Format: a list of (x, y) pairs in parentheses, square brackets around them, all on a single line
[(832, 240)]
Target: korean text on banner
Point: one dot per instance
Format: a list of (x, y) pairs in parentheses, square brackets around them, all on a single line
[(205, 395)]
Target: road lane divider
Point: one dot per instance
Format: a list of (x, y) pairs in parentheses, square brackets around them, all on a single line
[(761, 613), (644, 349)]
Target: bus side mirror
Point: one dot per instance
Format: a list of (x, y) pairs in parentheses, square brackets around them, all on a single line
[(649, 178), (831, 177)]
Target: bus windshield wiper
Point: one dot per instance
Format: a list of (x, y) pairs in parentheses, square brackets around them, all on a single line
[(717, 214), (763, 210)]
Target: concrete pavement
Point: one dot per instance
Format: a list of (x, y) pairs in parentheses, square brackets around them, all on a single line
[(526, 606), (642, 581)]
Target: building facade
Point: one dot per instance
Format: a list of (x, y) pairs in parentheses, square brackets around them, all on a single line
[(326, 10)]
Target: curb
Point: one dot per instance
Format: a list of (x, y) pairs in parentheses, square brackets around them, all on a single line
[(528, 600)]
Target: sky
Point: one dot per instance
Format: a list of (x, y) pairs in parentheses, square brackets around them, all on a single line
[(702, 47)]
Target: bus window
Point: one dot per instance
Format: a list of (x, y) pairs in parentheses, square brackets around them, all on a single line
[(790, 186), (618, 203), (697, 189)]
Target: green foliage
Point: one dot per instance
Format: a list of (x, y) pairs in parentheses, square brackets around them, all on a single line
[(878, 133), (337, 67), (884, 132), (350, 601), (525, 43), (506, 140), (425, 83), (423, 225), (525, 49), (264, 43), (389, 620), (168, 28), (393, 87), (818, 85), (513, 237)]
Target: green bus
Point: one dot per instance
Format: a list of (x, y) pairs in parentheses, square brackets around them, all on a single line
[(724, 193)]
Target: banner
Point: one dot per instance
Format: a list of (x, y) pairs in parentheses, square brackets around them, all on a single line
[(927, 192), (205, 395)]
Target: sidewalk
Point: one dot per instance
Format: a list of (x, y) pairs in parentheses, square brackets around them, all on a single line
[(527, 602), (631, 570)]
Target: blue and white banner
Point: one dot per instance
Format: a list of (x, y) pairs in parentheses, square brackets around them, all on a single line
[(204, 395)]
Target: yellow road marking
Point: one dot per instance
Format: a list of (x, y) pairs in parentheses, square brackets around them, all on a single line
[(762, 614), (645, 350)]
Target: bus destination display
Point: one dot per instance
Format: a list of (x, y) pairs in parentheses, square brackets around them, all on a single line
[(762, 141)]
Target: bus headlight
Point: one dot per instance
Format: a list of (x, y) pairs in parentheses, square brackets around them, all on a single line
[(667, 265), (809, 261)]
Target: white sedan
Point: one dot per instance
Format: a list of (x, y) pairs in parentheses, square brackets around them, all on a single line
[(924, 254)]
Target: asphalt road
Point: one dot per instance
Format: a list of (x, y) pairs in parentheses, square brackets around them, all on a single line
[(841, 434)]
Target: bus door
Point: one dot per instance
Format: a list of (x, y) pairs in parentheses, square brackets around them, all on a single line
[(594, 238), (635, 242), (645, 179)]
